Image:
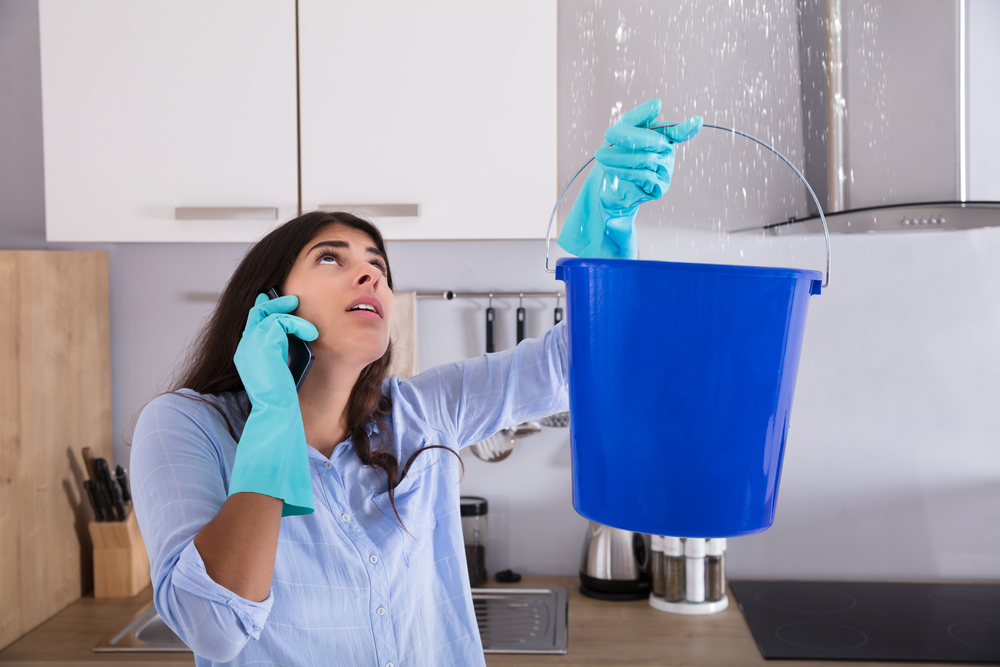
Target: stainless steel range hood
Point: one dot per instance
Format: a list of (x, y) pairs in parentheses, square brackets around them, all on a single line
[(893, 142), (918, 217)]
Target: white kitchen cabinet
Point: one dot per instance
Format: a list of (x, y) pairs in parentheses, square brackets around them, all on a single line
[(449, 105), (164, 104), (177, 120)]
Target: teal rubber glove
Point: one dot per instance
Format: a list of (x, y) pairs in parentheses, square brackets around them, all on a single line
[(634, 168), (272, 456)]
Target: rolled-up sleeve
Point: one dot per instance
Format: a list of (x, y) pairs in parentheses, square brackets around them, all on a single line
[(179, 483), (470, 400)]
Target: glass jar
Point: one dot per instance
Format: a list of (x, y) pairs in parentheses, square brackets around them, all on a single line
[(656, 565), (673, 569), (473, 511), (715, 569)]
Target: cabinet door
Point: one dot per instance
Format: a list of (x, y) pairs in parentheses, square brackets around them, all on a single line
[(164, 104), (448, 104)]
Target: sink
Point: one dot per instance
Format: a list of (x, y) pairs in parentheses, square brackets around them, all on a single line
[(511, 620), (521, 620), (145, 633)]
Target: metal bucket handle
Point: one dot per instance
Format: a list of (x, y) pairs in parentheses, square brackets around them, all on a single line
[(826, 230)]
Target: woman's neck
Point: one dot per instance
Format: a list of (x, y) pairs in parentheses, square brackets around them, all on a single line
[(323, 401)]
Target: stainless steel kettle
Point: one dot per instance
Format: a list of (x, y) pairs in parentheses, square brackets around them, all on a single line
[(614, 564)]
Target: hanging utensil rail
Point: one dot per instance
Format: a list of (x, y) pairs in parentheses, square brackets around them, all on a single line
[(449, 295)]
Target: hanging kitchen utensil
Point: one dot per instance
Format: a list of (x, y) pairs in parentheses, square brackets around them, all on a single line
[(559, 419), (527, 428), (531, 427), (500, 445), (490, 327), (520, 319), (495, 448)]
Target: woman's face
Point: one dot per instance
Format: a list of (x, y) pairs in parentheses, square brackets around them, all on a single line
[(339, 277)]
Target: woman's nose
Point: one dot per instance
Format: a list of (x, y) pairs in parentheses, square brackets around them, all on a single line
[(369, 274)]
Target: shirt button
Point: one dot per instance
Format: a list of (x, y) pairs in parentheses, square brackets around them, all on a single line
[(327, 465), (380, 611), (345, 517), (388, 664), (373, 559)]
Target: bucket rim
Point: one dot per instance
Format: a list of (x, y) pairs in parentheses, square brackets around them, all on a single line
[(687, 267)]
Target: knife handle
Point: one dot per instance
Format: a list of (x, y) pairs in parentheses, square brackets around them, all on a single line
[(110, 490), (116, 500), (104, 501), (91, 490), (88, 460), (123, 483)]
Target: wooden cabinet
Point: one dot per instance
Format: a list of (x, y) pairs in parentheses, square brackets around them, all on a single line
[(450, 105), (153, 106), (55, 399), (194, 105)]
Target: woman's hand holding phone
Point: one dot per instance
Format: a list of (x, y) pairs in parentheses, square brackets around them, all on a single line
[(300, 356), (272, 457)]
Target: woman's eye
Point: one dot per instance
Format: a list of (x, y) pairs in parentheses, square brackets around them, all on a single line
[(330, 258)]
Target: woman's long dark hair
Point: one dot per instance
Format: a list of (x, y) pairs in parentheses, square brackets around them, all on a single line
[(211, 369)]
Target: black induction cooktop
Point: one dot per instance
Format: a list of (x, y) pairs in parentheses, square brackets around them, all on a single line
[(845, 620)]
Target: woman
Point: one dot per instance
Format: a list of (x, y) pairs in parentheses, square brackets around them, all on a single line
[(348, 583), (367, 567)]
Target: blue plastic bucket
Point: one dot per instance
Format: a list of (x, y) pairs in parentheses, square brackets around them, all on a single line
[(681, 382)]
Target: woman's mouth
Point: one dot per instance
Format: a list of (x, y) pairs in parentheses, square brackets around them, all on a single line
[(367, 307)]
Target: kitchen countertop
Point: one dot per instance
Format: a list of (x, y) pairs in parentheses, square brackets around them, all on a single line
[(66, 639), (600, 633)]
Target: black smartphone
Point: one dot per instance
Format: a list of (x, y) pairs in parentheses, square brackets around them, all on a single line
[(300, 354)]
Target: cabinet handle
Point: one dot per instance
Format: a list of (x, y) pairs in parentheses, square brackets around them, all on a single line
[(226, 213), (376, 210)]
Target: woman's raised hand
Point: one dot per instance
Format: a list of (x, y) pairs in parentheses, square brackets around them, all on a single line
[(635, 167)]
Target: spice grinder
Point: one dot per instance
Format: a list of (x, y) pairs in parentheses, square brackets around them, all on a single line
[(614, 564)]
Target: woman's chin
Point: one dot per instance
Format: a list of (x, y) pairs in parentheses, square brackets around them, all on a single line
[(362, 353)]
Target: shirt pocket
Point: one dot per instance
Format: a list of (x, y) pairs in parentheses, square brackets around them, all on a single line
[(416, 513)]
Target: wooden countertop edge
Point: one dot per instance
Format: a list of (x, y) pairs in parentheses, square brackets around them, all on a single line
[(600, 633)]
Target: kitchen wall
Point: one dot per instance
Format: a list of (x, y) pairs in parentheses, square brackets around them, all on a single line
[(893, 464)]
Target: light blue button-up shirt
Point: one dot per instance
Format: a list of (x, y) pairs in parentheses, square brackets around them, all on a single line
[(350, 586)]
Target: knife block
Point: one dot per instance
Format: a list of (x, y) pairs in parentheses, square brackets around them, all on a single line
[(121, 566)]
